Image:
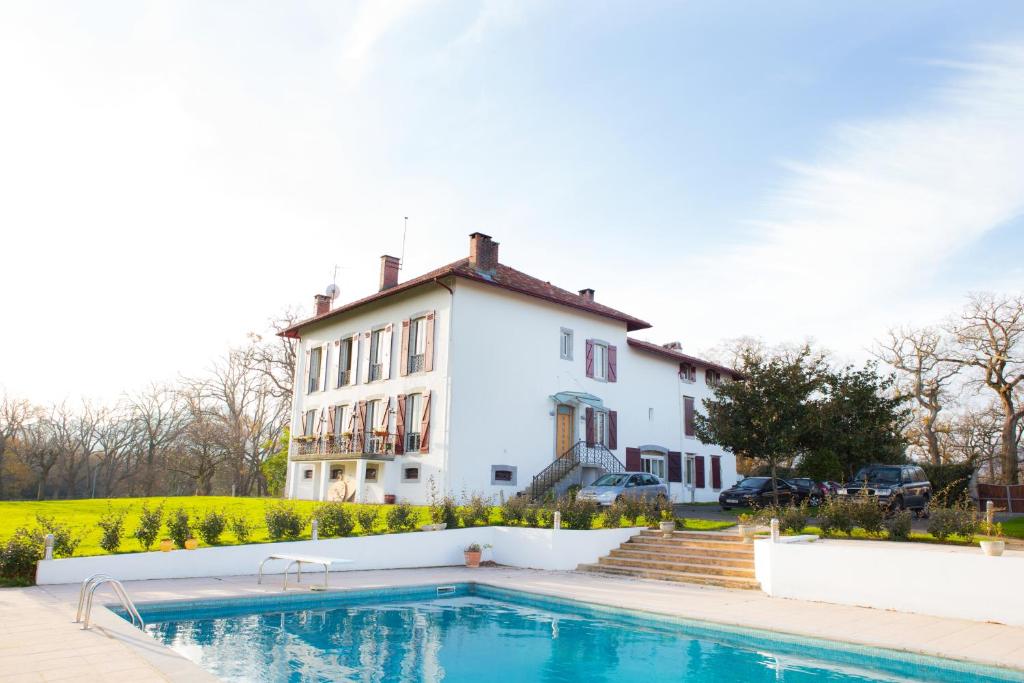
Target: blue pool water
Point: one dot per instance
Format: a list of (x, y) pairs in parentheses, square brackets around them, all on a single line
[(480, 633)]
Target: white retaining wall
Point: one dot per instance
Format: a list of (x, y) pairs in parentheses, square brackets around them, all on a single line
[(946, 581), (512, 546)]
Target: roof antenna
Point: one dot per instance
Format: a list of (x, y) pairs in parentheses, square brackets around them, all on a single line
[(405, 229), (332, 289)]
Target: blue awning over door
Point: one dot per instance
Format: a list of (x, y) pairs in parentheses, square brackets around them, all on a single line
[(578, 397)]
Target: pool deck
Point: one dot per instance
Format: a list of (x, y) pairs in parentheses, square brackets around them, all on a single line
[(39, 642)]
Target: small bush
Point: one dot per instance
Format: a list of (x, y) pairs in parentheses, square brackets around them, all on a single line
[(179, 526), (959, 520), (530, 516), (949, 482), (333, 519), (241, 527), (475, 510), (211, 526), (19, 555), (112, 526), (613, 516), (544, 517), (367, 517), (835, 515), (514, 510), (899, 526), (573, 490), (638, 511), (577, 514), (401, 517), (65, 541), (283, 522), (867, 514), (443, 509), (150, 521)]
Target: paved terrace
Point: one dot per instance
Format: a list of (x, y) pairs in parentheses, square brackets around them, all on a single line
[(38, 642)]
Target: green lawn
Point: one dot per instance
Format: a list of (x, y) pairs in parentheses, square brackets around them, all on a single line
[(1014, 528), (690, 524)]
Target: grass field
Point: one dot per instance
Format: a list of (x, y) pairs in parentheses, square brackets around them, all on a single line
[(1014, 528), (82, 515)]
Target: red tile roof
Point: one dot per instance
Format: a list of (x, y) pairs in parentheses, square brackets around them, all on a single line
[(680, 356), (504, 277)]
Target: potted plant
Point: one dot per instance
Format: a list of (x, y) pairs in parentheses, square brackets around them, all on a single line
[(472, 554), (994, 547), (389, 499), (746, 527), (667, 524), (191, 544), (166, 545)]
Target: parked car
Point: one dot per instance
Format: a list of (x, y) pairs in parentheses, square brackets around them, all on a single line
[(617, 486), (897, 487), (807, 489), (756, 492)]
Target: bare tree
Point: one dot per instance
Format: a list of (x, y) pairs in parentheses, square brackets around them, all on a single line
[(274, 357), (117, 434), (38, 446), (13, 414), (919, 357), (990, 337), (975, 437), (160, 418), (202, 447)]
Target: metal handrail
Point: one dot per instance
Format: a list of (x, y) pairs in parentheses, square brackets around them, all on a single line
[(580, 453), (88, 591)]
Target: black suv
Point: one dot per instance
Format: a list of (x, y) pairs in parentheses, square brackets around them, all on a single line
[(897, 487)]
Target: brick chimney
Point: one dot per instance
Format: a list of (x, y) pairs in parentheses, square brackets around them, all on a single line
[(587, 294), (483, 253), (388, 272), (321, 303)]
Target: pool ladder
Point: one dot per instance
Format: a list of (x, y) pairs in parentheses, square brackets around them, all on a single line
[(87, 592)]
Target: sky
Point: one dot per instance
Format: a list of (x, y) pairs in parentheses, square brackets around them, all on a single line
[(175, 174)]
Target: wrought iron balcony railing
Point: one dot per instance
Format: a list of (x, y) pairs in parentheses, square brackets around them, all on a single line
[(359, 443), (416, 363), (412, 442), (579, 454)]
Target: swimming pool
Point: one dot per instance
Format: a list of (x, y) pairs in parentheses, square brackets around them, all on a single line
[(474, 632)]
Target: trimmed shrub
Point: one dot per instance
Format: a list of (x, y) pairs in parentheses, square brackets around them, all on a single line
[(112, 526), (241, 527), (613, 516), (636, 509), (544, 517), (333, 519), (367, 517), (401, 517), (150, 521), (19, 555), (283, 522), (577, 514), (960, 520), (211, 526), (899, 526), (513, 511), (791, 518), (65, 541), (179, 527), (573, 490), (475, 510), (867, 514), (835, 516)]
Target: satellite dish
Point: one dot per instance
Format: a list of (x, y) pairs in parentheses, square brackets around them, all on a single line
[(332, 291)]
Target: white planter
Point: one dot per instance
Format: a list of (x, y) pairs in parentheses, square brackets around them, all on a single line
[(993, 548), (747, 532), (667, 528)]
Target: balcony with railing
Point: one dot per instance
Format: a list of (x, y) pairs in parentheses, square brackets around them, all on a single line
[(412, 442), (376, 445)]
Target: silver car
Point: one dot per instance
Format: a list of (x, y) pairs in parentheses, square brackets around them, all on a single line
[(612, 487)]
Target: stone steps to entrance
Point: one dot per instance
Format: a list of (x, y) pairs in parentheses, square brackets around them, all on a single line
[(707, 558)]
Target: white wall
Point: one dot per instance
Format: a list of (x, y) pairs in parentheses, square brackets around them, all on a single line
[(392, 310), (505, 365), (512, 546), (944, 581)]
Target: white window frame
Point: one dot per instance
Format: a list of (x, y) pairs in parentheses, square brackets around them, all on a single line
[(565, 343), (342, 418), (413, 417), (376, 473), (690, 475), (313, 385), (601, 427), (410, 480), (309, 422), (648, 459), (600, 368), (351, 342), (376, 351)]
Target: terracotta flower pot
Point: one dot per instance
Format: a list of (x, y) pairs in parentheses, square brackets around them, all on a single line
[(472, 558), (191, 544), (166, 545), (389, 499)]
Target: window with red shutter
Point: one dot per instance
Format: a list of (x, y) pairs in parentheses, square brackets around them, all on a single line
[(716, 472), (613, 369), (590, 358), (675, 467), (633, 460), (688, 416), (590, 426), (613, 430), (699, 467)]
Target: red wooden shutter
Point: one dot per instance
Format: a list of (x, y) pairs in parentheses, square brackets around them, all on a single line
[(385, 408), (425, 424), (590, 358), (633, 462), (716, 472), (400, 422), (613, 430), (360, 419), (675, 467), (428, 347), (698, 467), (590, 426), (305, 375), (330, 418), (403, 355), (612, 365), (688, 415)]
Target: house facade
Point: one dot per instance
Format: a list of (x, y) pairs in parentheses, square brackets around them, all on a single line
[(476, 377)]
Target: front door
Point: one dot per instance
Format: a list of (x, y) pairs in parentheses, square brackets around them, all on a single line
[(563, 429)]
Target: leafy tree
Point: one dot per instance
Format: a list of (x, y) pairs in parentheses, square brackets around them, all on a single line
[(766, 415), (856, 421), (275, 467)]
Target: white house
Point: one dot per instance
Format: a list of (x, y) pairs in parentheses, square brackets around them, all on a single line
[(481, 378)]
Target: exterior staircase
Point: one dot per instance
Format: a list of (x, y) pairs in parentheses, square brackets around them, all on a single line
[(551, 479), (711, 558)]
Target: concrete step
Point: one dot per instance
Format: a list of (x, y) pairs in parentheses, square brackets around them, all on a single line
[(727, 535), (669, 565), (717, 559), (677, 576), (711, 546)]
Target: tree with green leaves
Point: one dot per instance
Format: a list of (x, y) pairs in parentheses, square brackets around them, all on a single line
[(275, 466), (766, 415)]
